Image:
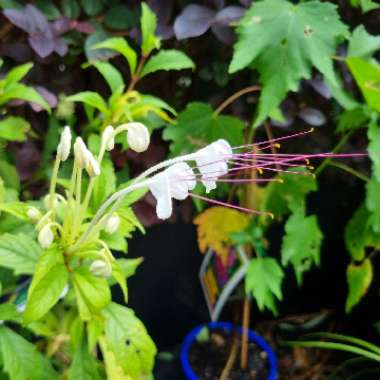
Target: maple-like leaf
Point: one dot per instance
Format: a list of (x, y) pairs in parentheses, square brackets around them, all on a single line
[(215, 225), (284, 41)]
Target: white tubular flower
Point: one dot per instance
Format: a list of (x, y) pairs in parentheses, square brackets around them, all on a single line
[(93, 168), (46, 237), (101, 268), (64, 146), (138, 137), (108, 139), (112, 224), (33, 214), (212, 162), (81, 153), (174, 182)]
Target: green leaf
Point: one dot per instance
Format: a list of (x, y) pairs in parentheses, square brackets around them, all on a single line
[(49, 281), (373, 203), (92, 293), (9, 312), (17, 73), (21, 360), (118, 275), (374, 147), (120, 17), (83, 366), (367, 76), (17, 209), (9, 175), (70, 9), (110, 74), (263, 280), (148, 30), (366, 5), (120, 45), (284, 42), (301, 243), (167, 60), (359, 278), (362, 44), (14, 128), (198, 126), (92, 7), (352, 119), (129, 341), (90, 98), (19, 253)]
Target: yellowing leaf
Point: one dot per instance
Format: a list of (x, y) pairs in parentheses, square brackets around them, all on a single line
[(215, 226)]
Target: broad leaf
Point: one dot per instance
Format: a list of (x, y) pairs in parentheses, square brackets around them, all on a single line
[(263, 280), (352, 119), (198, 126), (112, 76), (9, 312), (21, 360), (14, 128), (366, 5), (19, 253), (359, 278), (90, 98), (17, 209), (167, 60), (301, 243), (9, 175), (373, 204), (129, 341), (374, 147), (148, 30), (17, 73), (362, 44), (49, 281), (83, 366), (284, 42)]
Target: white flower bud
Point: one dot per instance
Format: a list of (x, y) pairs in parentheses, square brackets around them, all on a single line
[(33, 214), (112, 224), (64, 146), (81, 153), (108, 139), (47, 201), (46, 237), (93, 168), (138, 137), (101, 268)]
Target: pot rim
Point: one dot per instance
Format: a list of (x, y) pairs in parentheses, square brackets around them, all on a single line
[(253, 337)]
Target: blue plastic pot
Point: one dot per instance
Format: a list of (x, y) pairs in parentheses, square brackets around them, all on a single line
[(191, 337)]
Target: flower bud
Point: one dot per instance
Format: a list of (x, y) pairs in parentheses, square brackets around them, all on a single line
[(138, 137), (101, 268), (112, 224), (108, 139), (33, 214), (92, 167), (47, 201), (81, 153), (46, 237), (64, 146)]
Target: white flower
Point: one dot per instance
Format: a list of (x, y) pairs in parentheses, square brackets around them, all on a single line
[(212, 162), (47, 201), (93, 168), (64, 146), (174, 182), (101, 268), (33, 214), (81, 153), (112, 224), (138, 137), (45, 237), (108, 139)]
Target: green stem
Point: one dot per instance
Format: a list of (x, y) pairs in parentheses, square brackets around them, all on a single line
[(53, 181), (350, 170)]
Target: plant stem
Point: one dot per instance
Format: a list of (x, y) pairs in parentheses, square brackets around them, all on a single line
[(53, 181), (235, 96), (244, 337), (136, 76), (350, 170), (231, 359)]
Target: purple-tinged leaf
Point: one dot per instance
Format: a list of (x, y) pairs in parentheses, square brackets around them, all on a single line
[(18, 18), (319, 86), (50, 98), (224, 34), (163, 9), (82, 26), (194, 21), (229, 14), (165, 31), (312, 116), (61, 25), (245, 3), (28, 160), (42, 45)]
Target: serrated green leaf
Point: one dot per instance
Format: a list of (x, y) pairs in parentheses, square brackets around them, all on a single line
[(373, 204), (198, 126), (92, 293), (148, 30), (359, 278), (90, 98), (367, 76), (83, 366), (362, 44), (14, 128), (110, 74), (21, 360), (19, 252), (129, 341), (118, 275), (263, 280), (17, 73), (301, 243), (284, 42), (9, 175), (49, 280), (120, 45), (167, 60)]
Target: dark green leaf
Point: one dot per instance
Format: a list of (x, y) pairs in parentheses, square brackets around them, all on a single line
[(374, 147), (92, 7), (119, 17), (70, 8)]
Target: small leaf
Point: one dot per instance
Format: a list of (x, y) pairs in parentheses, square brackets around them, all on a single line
[(70, 8), (83, 366), (90, 98), (352, 119), (112, 76), (118, 275), (374, 147), (359, 278), (120, 45), (9, 312), (373, 203), (9, 175), (14, 128), (362, 44), (167, 60), (49, 280), (17, 209), (17, 73), (263, 280), (148, 30)]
